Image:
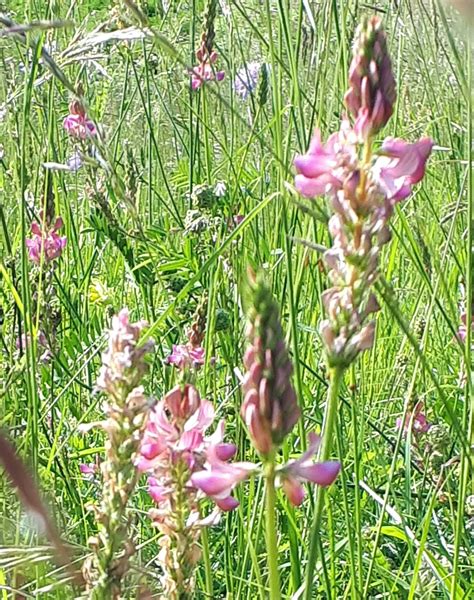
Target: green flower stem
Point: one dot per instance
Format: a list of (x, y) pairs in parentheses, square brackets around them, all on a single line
[(336, 378), (271, 536)]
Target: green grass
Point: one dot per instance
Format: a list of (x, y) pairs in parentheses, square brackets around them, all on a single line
[(170, 140)]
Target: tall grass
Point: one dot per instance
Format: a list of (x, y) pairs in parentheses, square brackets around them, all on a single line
[(395, 523)]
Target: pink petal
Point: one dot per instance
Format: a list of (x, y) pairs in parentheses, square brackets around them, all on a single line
[(156, 491), (313, 165), (293, 490), (213, 483), (321, 473), (36, 229), (225, 451), (227, 504), (202, 418), (310, 188)]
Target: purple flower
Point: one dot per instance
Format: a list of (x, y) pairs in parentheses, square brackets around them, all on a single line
[(296, 472), (246, 79), (45, 245), (74, 162)]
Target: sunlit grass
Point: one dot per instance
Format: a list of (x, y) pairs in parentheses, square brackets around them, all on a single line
[(394, 526)]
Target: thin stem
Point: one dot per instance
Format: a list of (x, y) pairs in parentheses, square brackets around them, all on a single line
[(271, 536), (336, 375)]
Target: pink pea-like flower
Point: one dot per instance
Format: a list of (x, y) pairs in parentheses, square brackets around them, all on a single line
[(186, 355), (329, 168), (305, 470), (46, 244), (401, 165), (220, 477), (77, 124), (416, 420), (205, 71), (462, 331)]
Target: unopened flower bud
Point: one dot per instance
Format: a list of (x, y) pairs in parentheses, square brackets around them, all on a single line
[(270, 409), (371, 95)]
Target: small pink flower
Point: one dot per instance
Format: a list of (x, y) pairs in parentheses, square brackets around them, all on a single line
[(77, 123), (46, 245), (88, 470), (318, 169), (401, 165), (205, 71), (294, 473), (220, 477), (79, 126), (157, 492), (186, 355), (416, 420)]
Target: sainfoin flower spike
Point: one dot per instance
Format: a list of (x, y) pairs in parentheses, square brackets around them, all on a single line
[(363, 184), (363, 187), (45, 244), (184, 465), (126, 409)]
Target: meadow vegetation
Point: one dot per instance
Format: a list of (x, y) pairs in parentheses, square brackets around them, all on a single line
[(164, 269)]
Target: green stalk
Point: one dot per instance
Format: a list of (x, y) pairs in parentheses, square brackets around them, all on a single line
[(270, 532), (468, 412), (336, 375)]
